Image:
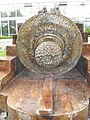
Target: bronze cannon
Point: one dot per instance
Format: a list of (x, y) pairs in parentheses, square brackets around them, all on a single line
[(49, 43)]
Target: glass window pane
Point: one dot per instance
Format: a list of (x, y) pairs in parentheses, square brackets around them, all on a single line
[(12, 14), (0, 28), (12, 25), (4, 29), (4, 21), (19, 14), (4, 14), (87, 27)]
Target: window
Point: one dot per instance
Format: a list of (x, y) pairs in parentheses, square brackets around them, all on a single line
[(0, 28), (12, 26), (19, 13), (4, 14), (87, 27), (4, 25), (12, 14)]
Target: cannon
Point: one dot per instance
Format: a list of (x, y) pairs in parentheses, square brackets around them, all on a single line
[(49, 45)]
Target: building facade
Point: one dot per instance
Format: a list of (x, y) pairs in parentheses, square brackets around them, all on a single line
[(13, 15)]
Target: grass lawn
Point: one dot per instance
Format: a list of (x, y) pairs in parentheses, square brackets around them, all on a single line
[(2, 53)]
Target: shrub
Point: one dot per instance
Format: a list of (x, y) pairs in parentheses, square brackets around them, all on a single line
[(2, 53), (5, 37), (88, 31)]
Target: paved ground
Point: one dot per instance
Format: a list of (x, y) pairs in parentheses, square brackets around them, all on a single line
[(89, 39), (3, 115), (5, 42)]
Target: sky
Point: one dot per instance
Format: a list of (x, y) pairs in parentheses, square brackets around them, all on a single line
[(27, 1), (24, 1)]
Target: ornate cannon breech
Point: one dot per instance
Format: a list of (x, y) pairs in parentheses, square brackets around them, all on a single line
[(49, 43)]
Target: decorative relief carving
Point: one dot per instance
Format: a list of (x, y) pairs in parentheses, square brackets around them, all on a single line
[(49, 43)]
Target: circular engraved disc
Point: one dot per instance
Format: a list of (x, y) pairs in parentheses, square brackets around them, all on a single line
[(49, 43)]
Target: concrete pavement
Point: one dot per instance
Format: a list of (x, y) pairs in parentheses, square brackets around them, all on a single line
[(4, 43)]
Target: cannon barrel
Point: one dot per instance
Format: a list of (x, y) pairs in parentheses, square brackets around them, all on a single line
[(49, 43)]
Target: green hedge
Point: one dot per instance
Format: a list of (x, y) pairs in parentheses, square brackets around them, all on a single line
[(2, 53), (5, 37), (88, 31)]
